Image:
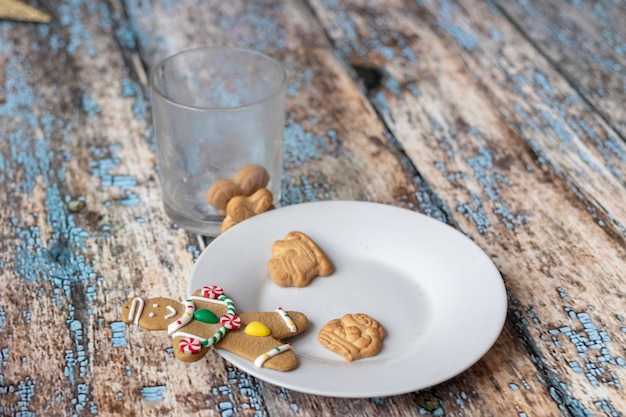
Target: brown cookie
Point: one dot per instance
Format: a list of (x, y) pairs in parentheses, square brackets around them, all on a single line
[(221, 192), (246, 181), (208, 318), (354, 336), (296, 260), (240, 208), (251, 178)]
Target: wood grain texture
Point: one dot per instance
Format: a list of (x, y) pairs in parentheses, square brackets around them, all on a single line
[(75, 127), (501, 148), (585, 41), (462, 110)]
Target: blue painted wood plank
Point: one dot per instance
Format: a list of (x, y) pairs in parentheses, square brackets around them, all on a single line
[(586, 41)]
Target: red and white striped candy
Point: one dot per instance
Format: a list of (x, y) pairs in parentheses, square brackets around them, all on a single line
[(190, 346), (212, 291), (230, 321)]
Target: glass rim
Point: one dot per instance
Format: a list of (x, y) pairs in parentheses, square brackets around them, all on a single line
[(274, 92)]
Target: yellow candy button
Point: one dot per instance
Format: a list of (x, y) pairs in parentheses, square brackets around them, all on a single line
[(256, 328)]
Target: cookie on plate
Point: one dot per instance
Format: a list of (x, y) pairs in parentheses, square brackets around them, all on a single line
[(296, 260), (354, 336)]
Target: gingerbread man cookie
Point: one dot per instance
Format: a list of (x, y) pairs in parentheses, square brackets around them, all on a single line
[(354, 336), (241, 207), (208, 318), (296, 260)]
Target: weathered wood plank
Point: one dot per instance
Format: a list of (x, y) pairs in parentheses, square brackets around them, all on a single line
[(75, 127), (531, 96), (85, 135), (585, 40), (506, 142)]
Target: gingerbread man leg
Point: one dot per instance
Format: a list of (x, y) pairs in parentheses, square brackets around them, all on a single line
[(263, 351), (189, 348)]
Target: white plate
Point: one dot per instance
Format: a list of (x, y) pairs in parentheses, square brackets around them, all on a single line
[(438, 295)]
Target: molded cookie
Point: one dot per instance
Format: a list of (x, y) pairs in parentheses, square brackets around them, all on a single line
[(251, 178), (208, 318), (354, 336), (240, 208), (297, 260), (246, 181), (221, 192)]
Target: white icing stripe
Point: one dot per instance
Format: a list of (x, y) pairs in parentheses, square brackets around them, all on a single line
[(136, 308), (172, 312), (290, 323), (258, 362), (208, 300), (223, 300), (221, 332), (185, 334), (186, 317)]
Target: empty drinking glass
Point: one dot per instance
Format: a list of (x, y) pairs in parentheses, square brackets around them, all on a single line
[(218, 116)]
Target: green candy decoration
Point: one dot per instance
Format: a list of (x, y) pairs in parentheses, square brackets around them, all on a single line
[(205, 316)]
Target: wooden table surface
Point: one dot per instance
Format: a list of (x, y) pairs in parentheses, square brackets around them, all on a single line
[(502, 118)]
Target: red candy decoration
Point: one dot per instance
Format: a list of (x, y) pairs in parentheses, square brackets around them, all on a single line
[(212, 291), (190, 346), (231, 322)]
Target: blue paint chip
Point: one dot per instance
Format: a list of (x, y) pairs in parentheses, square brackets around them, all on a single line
[(491, 181), (225, 405), (118, 338), (126, 36), (595, 366), (247, 387), (76, 325), (90, 106), (100, 168), (387, 52), (153, 394), (496, 35), (194, 251), (465, 39), (301, 145), (26, 392), (132, 89), (379, 100)]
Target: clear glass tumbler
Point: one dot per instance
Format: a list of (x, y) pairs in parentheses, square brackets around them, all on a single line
[(216, 110)]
